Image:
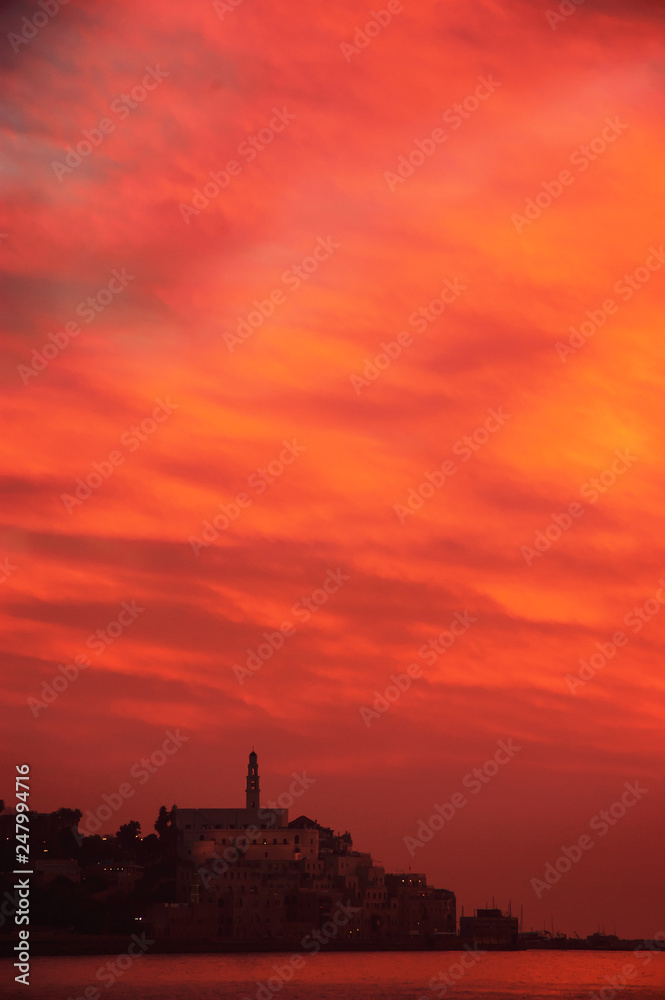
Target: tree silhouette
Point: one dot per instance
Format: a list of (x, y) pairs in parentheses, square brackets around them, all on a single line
[(165, 825), (69, 817), (66, 822), (127, 837), (165, 822)]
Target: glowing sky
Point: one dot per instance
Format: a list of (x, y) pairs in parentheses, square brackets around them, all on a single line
[(172, 289)]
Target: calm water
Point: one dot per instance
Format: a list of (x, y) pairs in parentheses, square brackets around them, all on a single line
[(349, 976)]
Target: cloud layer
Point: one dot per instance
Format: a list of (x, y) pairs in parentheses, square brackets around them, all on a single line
[(162, 348)]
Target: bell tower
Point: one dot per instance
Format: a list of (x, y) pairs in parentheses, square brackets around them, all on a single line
[(252, 791)]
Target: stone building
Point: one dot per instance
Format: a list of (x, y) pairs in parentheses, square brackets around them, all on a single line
[(250, 875)]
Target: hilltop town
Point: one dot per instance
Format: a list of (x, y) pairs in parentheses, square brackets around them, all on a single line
[(236, 879), (252, 874), (231, 878)]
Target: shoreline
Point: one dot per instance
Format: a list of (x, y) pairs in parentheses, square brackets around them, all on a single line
[(74, 946)]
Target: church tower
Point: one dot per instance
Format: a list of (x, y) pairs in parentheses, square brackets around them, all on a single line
[(252, 791)]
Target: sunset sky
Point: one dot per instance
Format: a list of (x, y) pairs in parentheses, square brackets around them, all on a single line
[(538, 200)]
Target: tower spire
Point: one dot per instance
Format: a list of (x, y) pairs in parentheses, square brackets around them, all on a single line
[(252, 791)]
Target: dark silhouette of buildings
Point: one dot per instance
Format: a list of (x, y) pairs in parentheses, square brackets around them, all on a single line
[(249, 874), (489, 929)]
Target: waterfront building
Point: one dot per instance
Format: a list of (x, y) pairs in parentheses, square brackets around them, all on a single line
[(489, 928), (250, 875)]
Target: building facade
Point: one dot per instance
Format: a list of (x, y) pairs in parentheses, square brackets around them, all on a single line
[(250, 875)]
